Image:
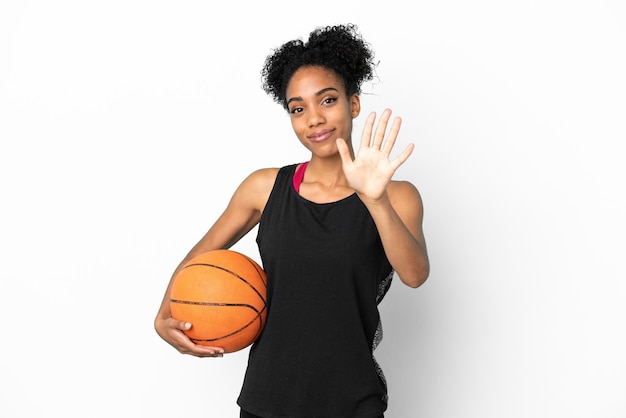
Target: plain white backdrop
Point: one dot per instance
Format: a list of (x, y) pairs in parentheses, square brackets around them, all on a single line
[(125, 127)]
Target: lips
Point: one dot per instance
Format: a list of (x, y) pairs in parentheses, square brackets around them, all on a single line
[(321, 136)]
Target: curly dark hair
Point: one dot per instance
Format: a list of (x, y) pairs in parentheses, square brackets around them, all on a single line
[(339, 48)]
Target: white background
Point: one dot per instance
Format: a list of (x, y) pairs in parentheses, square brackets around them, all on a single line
[(126, 126)]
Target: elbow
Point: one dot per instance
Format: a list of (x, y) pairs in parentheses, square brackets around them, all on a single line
[(417, 278), (415, 282)]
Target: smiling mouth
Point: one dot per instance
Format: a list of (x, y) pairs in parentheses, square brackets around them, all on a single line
[(320, 136)]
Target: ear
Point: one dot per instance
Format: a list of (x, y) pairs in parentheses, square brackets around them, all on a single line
[(355, 105)]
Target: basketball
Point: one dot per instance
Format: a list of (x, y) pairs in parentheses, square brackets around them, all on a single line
[(222, 293)]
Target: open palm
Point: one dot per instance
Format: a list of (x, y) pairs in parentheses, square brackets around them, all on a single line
[(372, 169)]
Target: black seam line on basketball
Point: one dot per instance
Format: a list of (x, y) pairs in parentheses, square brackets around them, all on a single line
[(256, 267), (231, 272), (236, 331), (190, 302)]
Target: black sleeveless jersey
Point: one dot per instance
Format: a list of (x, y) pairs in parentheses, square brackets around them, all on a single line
[(326, 273)]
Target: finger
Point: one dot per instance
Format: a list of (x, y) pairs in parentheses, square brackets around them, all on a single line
[(206, 351), (183, 325), (403, 156), (393, 134), (366, 136), (344, 151), (379, 135), (197, 349)]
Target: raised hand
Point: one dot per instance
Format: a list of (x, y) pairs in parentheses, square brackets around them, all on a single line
[(372, 169)]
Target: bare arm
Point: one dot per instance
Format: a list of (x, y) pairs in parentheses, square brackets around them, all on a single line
[(396, 207), (240, 216), (398, 216)]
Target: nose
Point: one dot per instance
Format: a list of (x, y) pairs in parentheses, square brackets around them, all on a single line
[(315, 117)]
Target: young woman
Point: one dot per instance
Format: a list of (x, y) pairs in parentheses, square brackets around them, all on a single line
[(332, 232)]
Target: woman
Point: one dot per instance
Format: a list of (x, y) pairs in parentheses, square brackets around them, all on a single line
[(332, 232)]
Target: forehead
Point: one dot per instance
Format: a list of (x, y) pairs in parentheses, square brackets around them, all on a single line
[(314, 79)]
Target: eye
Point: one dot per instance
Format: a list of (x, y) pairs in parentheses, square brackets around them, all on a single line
[(329, 100), (295, 110)]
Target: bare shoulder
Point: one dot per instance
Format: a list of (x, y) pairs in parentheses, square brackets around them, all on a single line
[(256, 188), (405, 196), (263, 177), (401, 190)]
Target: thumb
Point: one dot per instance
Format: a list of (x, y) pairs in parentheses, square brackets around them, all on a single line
[(344, 151)]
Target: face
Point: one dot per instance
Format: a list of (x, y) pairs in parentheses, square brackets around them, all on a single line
[(320, 109)]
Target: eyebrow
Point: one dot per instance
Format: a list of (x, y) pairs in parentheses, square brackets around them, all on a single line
[(319, 93)]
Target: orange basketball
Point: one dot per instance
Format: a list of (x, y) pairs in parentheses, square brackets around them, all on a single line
[(223, 294)]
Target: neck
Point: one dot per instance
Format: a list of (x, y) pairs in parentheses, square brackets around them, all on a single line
[(327, 172)]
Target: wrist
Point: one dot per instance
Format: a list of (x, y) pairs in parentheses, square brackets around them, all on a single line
[(381, 202)]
